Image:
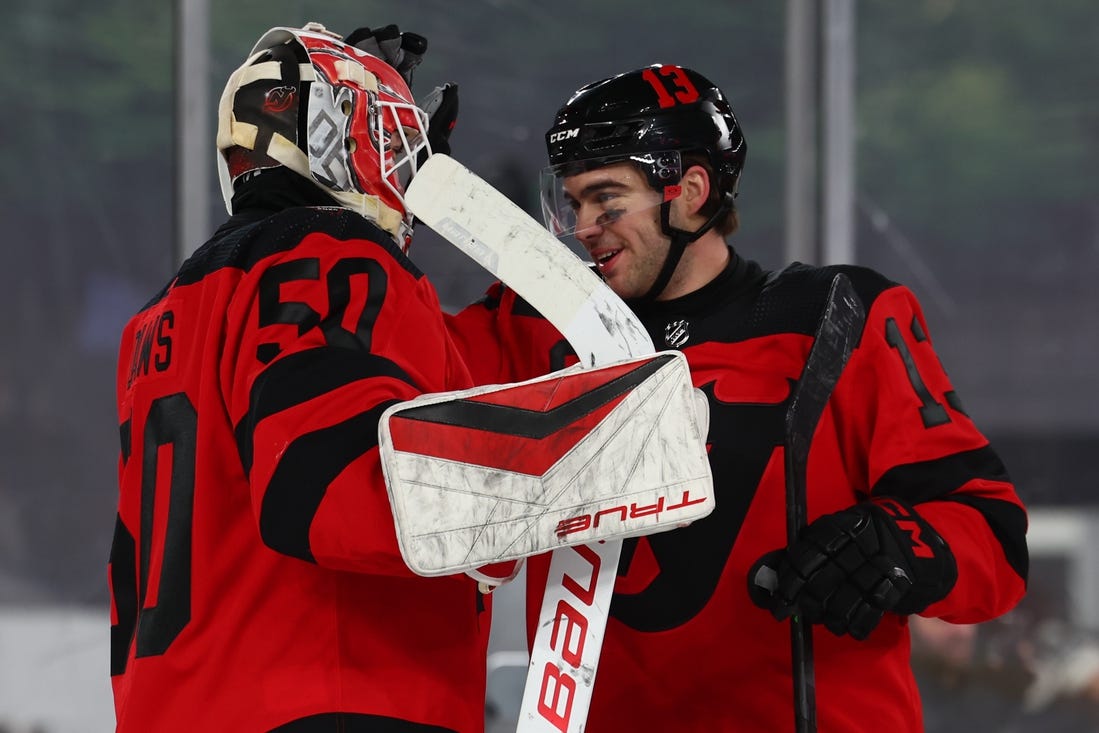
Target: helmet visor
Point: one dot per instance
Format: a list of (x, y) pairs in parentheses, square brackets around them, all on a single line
[(601, 191)]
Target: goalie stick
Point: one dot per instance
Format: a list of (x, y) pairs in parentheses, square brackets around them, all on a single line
[(840, 325), (506, 241)]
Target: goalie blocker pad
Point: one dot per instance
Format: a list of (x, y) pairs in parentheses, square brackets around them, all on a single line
[(579, 455)]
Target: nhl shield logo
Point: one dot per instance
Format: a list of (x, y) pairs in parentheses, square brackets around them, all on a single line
[(676, 334)]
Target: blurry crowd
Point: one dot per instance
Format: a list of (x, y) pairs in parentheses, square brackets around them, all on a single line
[(1022, 673)]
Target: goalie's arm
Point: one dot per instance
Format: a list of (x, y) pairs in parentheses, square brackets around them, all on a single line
[(503, 339), (332, 349)]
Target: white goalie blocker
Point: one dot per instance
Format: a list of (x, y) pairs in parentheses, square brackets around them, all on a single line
[(580, 455)]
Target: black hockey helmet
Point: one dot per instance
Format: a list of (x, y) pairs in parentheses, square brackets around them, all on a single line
[(653, 117), (654, 109)]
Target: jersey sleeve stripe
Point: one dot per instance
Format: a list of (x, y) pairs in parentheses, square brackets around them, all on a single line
[(304, 376), (1009, 525), (304, 472), (937, 478), (329, 722), (941, 478)]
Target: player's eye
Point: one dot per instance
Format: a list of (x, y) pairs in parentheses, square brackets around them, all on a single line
[(609, 217)]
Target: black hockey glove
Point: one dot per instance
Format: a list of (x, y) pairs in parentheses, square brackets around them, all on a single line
[(847, 569), (441, 106), (402, 51)]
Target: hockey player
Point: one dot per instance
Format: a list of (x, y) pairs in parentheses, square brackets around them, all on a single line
[(910, 510), (255, 575)]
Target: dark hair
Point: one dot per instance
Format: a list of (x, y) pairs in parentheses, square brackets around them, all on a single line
[(729, 221)]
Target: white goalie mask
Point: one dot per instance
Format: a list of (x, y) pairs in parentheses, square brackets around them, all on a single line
[(330, 112)]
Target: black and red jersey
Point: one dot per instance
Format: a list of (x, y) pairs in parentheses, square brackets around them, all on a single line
[(256, 579), (685, 648)]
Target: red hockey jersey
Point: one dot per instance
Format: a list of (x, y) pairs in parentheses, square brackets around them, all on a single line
[(255, 575), (685, 648)]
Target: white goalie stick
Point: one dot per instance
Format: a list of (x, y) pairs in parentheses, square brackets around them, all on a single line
[(838, 330), (506, 241), (503, 239)]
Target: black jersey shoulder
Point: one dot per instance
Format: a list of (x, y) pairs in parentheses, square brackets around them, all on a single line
[(792, 299), (242, 246)]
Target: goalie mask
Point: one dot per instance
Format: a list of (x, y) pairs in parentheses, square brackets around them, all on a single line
[(331, 113)]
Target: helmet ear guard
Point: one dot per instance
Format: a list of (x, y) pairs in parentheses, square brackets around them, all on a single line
[(330, 112)]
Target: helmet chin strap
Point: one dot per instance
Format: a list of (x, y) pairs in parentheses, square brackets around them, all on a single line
[(680, 238)]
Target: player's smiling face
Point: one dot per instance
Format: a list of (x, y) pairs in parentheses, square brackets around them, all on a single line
[(618, 222)]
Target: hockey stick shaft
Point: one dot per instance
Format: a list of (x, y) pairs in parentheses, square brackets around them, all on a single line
[(838, 330), (501, 237)]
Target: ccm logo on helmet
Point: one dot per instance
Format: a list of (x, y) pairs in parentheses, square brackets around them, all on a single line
[(557, 137)]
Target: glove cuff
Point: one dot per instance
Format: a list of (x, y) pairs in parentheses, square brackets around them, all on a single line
[(908, 535)]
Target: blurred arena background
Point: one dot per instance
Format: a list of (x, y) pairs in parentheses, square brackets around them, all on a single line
[(951, 145)]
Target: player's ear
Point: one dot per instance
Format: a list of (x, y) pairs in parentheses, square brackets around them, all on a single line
[(696, 189)]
